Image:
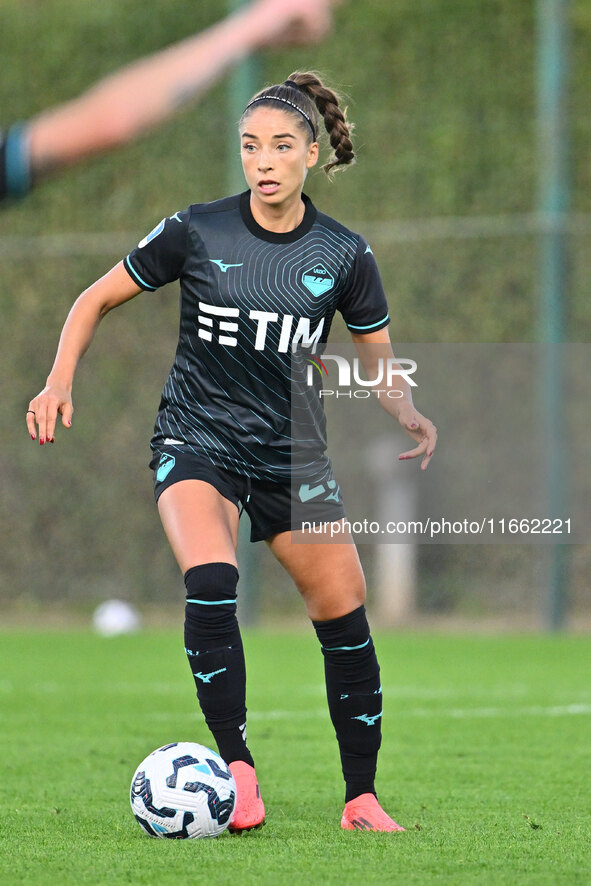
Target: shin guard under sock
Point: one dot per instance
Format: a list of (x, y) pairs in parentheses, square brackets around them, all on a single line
[(354, 696), (214, 648)]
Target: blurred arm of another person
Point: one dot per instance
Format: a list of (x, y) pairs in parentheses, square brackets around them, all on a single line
[(143, 94)]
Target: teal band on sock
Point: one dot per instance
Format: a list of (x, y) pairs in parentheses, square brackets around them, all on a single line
[(345, 648), (212, 602)]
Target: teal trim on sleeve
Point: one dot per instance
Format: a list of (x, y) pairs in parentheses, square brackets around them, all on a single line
[(381, 322), (17, 162), (135, 276)]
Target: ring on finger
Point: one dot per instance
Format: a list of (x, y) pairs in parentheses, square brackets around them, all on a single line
[(31, 411)]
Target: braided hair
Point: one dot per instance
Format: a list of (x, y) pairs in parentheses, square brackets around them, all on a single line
[(305, 96)]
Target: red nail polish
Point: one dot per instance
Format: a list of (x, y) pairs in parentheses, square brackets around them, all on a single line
[(41, 441), (69, 422), (33, 437)]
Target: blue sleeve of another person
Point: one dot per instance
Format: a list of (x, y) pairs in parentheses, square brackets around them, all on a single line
[(15, 167)]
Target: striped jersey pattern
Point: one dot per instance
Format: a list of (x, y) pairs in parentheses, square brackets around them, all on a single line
[(255, 305)]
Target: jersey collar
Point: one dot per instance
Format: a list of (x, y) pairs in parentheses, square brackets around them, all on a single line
[(271, 236)]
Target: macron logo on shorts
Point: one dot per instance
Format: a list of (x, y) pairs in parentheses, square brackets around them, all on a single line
[(165, 466)]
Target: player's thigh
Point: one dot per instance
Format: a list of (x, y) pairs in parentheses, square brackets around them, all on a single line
[(200, 524), (327, 574)]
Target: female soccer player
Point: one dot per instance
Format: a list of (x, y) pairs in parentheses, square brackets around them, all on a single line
[(261, 275)]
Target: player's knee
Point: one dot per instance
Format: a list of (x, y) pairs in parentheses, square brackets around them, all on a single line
[(210, 609), (325, 603), (345, 638)]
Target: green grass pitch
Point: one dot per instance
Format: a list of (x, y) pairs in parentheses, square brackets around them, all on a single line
[(485, 761)]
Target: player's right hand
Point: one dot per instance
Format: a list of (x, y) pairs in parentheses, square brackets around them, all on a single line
[(44, 409)]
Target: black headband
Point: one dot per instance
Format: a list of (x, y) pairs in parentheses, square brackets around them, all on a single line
[(286, 101)]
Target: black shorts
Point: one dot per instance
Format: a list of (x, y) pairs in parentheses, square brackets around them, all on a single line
[(273, 507)]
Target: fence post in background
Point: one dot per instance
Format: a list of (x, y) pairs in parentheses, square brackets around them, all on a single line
[(553, 207), (395, 571), (242, 83)]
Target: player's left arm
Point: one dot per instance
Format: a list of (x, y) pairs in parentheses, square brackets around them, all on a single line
[(372, 347)]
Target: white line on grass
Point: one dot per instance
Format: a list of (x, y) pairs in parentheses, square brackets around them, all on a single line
[(569, 710)]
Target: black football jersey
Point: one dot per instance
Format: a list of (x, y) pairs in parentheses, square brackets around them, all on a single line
[(255, 306)]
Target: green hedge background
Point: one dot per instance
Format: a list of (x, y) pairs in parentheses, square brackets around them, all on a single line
[(443, 96)]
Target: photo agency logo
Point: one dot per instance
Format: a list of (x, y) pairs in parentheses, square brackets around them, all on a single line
[(386, 372)]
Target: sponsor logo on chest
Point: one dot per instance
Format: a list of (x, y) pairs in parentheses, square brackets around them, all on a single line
[(222, 324)]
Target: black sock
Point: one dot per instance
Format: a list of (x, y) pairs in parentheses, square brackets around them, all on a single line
[(214, 648), (354, 697)]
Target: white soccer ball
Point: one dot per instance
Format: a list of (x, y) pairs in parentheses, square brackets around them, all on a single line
[(183, 790), (115, 617)]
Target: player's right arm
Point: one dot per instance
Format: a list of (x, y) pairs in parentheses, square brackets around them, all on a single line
[(115, 288)]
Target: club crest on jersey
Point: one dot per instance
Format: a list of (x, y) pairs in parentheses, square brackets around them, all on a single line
[(318, 280)]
